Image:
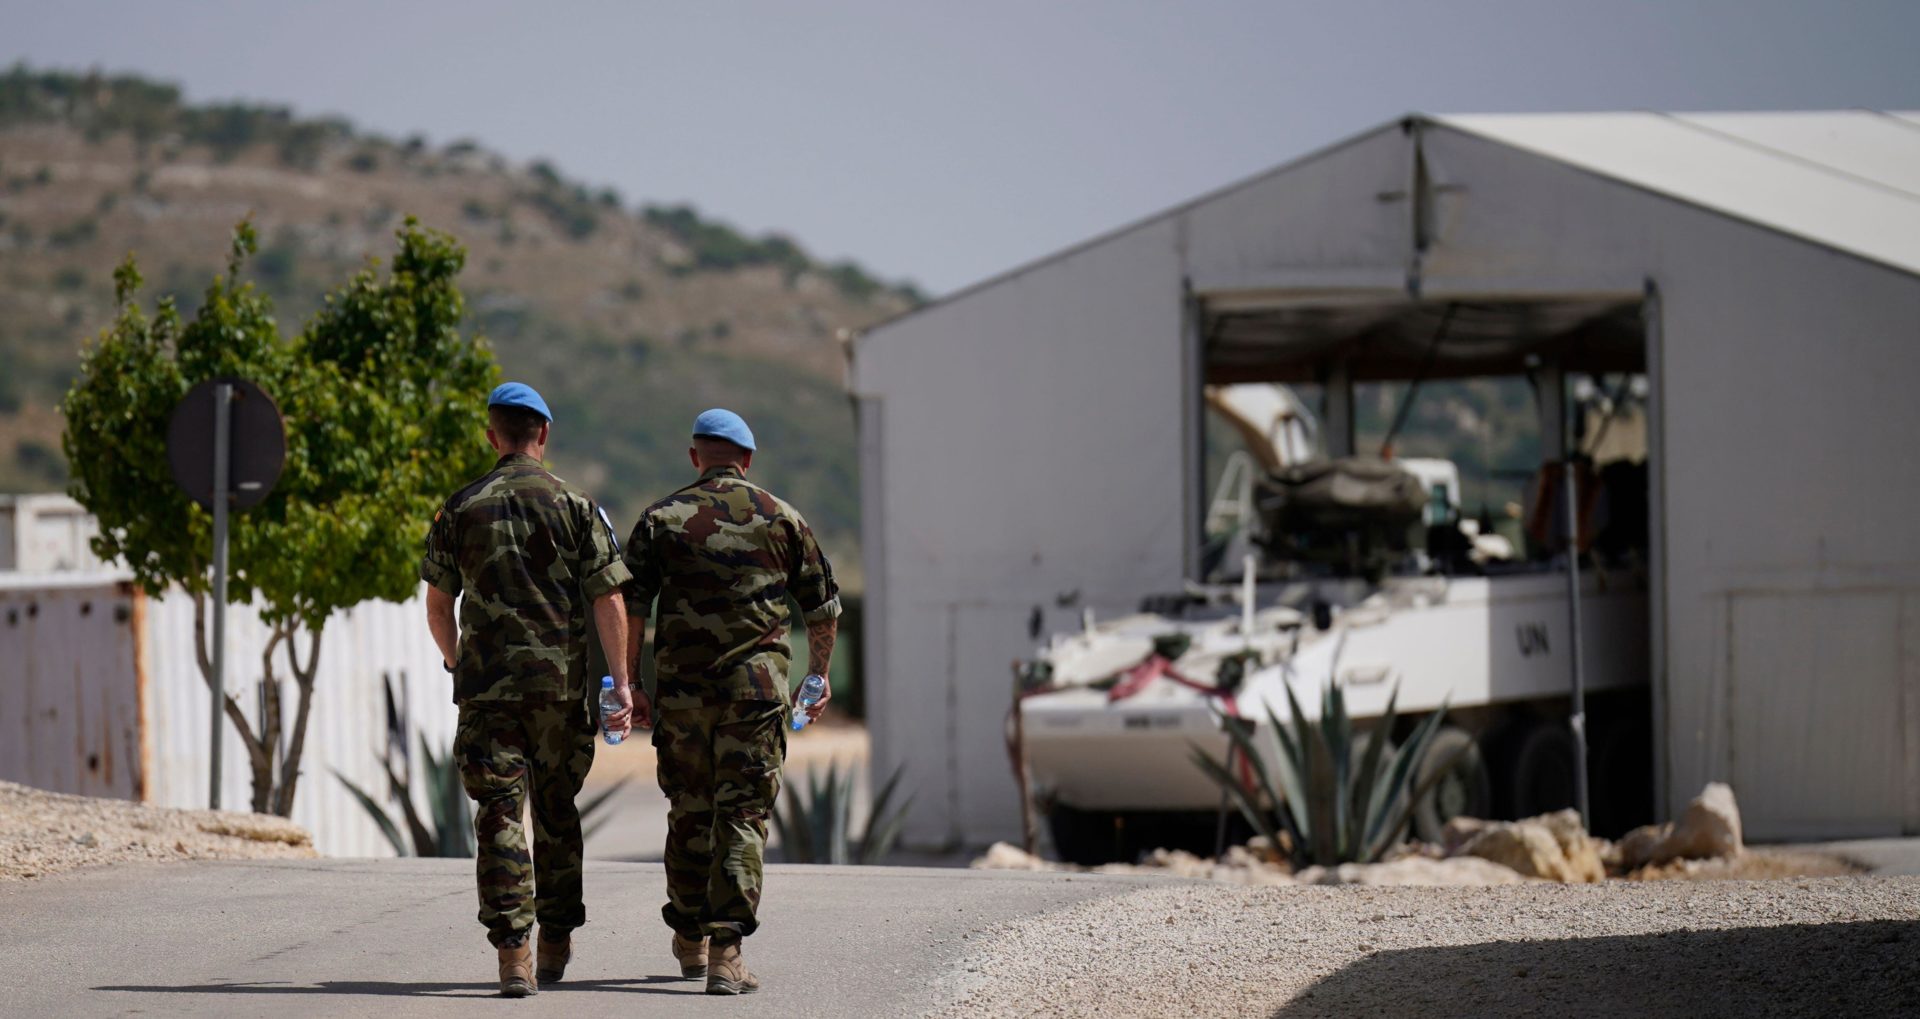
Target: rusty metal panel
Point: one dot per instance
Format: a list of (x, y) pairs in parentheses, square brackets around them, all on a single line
[(101, 694), (70, 700)]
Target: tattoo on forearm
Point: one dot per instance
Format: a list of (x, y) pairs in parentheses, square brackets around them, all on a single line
[(820, 645)]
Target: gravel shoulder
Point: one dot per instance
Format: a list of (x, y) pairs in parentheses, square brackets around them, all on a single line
[(44, 833), (1814, 946)]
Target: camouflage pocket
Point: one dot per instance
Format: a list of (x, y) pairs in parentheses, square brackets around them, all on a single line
[(491, 749)]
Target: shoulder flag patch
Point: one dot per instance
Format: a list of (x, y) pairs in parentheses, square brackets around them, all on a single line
[(611, 536)]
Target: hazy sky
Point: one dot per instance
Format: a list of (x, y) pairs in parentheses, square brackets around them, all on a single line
[(946, 142)]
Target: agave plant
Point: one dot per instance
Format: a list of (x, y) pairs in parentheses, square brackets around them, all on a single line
[(452, 831), (816, 826), (1339, 796), (451, 834)]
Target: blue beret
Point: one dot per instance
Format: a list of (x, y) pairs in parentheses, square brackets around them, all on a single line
[(519, 394), (723, 424)]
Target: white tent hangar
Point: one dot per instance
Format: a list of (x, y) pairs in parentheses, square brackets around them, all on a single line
[(1040, 433)]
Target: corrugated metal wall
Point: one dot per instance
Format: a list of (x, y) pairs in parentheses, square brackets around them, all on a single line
[(348, 730), (74, 648)]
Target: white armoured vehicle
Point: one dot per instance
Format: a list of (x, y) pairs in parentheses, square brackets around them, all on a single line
[(1336, 586)]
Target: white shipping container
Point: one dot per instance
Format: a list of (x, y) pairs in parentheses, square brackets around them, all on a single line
[(45, 534), (71, 692)]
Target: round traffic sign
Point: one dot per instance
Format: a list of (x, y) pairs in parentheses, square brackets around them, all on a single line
[(257, 440)]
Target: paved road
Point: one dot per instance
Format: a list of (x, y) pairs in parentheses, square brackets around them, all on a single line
[(398, 939), (1887, 857)]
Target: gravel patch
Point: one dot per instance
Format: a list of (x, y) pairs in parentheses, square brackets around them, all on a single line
[(1756, 864), (1814, 946), (44, 833), (1416, 867)]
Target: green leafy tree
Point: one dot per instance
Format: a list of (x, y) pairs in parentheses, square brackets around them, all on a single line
[(383, 398)]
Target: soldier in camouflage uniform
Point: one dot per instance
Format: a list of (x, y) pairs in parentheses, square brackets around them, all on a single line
[(531, 554), (722, 555)]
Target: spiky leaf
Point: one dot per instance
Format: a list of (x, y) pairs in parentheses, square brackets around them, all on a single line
[(424, 843), (1365, 780), (1406, 760), (1261, 820), (378, 813)]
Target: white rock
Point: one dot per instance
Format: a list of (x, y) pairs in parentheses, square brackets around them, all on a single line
[(1553, 847), (1458, 831), (1638, 847), (1413, 870), (1580, 850), (1006, 856), (1709, 828), (1529, 849)]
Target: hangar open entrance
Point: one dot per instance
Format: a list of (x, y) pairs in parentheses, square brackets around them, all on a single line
[(1457, 592), (1380, 501)]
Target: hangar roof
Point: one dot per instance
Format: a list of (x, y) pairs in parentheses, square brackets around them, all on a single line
[(1845, 179), (1848, 181)]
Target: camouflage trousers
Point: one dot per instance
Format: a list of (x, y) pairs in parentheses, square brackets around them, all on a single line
[(512, 754), (720, 768)]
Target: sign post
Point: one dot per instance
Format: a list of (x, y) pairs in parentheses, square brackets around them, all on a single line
[(226, 444), (1577, 716), (222, 465)]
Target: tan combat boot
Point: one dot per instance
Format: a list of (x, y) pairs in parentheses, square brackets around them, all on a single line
[(516, 971), (556, 950), (727, 970), (692, 953)]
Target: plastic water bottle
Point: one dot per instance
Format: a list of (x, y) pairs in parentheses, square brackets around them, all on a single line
[(608, 705), (810, 693)]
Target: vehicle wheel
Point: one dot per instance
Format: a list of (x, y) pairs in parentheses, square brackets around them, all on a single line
[(1464, 789), (1621, 770), (1540, 778), (1086, 837)]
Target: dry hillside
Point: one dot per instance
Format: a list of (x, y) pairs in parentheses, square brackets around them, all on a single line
[(631, 320)]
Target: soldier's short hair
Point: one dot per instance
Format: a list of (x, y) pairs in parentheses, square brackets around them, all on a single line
[(516, 426), (719, 451)]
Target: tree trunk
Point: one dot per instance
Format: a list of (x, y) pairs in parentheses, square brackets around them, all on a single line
[(303, 677), (259, 757), (270, 796), (263, 785)]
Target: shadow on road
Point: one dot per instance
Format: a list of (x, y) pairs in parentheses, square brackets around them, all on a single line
[(643, 985), (1851, 969)]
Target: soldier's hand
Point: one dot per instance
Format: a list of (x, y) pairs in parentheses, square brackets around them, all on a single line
[(642, 710), (621, 720), (814, 710)]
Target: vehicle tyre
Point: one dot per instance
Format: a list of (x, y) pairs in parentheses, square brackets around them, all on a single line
[(1085, 837), (1464, 789), (1540, 778), (1621, 770)]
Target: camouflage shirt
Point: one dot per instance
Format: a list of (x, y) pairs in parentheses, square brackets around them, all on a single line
[(723, 555), (531, 554)]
